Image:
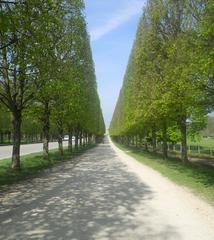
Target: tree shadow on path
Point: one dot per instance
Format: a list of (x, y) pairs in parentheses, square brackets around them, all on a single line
[(97, 199)]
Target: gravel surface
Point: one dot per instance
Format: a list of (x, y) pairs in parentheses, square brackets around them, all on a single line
[(103, 194)]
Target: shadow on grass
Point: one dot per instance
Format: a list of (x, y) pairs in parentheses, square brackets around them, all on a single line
[(197, 176), (32, 164)]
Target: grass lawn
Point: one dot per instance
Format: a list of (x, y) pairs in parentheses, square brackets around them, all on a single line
[(31, 164), (198, 178), (203, 142)]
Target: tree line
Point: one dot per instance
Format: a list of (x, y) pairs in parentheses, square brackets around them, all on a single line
[(169, 82), (47, 77)]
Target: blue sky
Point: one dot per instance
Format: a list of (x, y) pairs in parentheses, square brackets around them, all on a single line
[(112, 25)]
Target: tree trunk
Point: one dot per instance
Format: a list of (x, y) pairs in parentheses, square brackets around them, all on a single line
[(132, 141), (88, 139), (93, 139), (40, 137), (60, 143), (80, 138), (17, 117), (84, 139), (146, 145), (165, 147), (70, 142), (154, 143), (141, 141), (136, 141), (46, 129), (184, 149), (1, 137), (9, 137), (128, 140), (76, 139), (60, 138)]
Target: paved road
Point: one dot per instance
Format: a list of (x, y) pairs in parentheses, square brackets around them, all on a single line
[(6, 151), (103, 195)]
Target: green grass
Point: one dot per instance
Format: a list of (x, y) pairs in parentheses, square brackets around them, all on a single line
[(197, 177), (32, 164), (207, 143)]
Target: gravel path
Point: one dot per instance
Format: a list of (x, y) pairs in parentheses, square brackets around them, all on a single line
[(103, 194)]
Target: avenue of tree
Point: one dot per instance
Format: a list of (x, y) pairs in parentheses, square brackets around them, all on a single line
[(169, 83), (47, 77)]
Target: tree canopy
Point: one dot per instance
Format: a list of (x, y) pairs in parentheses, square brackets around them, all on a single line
[(165, 90), (47, 76)]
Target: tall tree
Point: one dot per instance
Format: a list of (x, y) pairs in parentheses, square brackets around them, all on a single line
[(21, 37), (162, 86)]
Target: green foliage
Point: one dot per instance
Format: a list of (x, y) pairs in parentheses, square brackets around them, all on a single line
[(165, 88), (47, 76), (5, 119)]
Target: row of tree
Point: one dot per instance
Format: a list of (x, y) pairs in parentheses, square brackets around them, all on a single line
[(31, 131), (47, 77), (169, 83)]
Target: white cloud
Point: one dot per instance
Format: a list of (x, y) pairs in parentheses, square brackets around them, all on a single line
[(121, 17)]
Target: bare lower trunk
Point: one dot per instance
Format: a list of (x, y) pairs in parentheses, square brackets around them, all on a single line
[(136, 141), (1, 137), (91, 138), (80, 138), (128, 140), (60, 143), (131, 140), (46, 129), (9, 137), (16, 140), (60, 137), (165, 146), (184, 155), (141, 141), (154, 144), (84, 139), (88, 139), (76, 139), (146, 145), (45, 147), (70, 143)]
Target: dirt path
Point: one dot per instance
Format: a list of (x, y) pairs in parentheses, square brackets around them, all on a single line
[(103, 194)]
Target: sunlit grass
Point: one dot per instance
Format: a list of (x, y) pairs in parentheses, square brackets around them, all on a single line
[(32, 164), (203, 142), (197, 177)]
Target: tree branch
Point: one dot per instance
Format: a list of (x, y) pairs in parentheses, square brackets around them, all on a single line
[(12, 41)]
